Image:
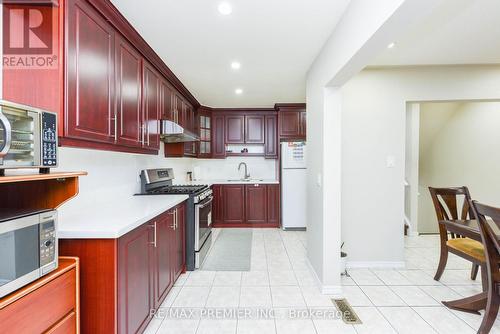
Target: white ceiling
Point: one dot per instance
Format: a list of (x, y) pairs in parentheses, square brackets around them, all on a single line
[(457, 32), (275, 40)]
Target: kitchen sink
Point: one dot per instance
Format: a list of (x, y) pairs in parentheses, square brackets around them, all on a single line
[(245, 180)]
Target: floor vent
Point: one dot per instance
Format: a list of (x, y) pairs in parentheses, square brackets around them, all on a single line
[(348, 315)]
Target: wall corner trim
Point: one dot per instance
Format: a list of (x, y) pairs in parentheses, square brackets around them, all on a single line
[(324, 289)]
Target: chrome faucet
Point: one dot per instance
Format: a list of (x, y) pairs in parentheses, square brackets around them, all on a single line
[(247, 175)]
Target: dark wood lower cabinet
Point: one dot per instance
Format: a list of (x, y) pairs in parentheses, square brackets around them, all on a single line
[(163, 259), (256, 203), (125, 279), (246, 205), (136, 271), (234, 204)]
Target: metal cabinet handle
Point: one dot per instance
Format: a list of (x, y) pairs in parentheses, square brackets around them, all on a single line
[(174, 219), (154, 234), (8, 135), (114, 119), (143, 133)]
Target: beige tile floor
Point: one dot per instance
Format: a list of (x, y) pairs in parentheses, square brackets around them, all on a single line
[(386, 300)]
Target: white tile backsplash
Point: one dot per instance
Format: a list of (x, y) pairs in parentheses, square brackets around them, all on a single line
[(258, 167), (114, 174)]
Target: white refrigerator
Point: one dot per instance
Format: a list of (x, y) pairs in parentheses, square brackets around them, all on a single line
[(293, 185)]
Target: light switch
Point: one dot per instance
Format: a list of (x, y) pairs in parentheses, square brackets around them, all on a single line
[(318, 180), (391, 161)]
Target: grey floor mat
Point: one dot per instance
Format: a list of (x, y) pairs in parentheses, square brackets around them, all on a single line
[(231, 251)]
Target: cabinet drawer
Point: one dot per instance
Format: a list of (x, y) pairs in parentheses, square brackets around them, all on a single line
[(65, 326), (41, 309)]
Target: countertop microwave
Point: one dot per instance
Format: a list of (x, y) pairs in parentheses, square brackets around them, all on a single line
[(28, 137), (28, 248)]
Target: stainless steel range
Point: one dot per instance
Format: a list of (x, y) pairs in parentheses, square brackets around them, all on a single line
[(198, 215)]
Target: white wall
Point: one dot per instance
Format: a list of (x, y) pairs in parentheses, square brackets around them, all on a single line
[(258, 167), (365, 29), (113, 174), (463, 150), (373, 127)]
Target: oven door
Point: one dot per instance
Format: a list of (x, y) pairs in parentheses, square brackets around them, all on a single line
[(20, 253), (203, 222), (19, 138)]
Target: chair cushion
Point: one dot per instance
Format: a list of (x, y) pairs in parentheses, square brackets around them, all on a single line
[(468, 246)]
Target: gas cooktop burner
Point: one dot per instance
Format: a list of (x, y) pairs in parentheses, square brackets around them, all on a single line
[(178, 189)]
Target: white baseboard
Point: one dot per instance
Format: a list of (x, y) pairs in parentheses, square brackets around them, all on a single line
[(375, 264), (324, 289)]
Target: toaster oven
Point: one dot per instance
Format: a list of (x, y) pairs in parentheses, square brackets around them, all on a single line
[(28, 137)]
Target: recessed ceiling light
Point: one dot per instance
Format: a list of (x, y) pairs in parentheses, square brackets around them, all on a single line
[(225, 8), (390, 46), (235, 65), (238, 91)]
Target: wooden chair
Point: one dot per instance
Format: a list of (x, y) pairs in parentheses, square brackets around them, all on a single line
[(492, 255), (446, 203)]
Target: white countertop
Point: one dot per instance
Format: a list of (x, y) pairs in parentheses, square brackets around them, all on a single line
[(225, 181), (114, 218)]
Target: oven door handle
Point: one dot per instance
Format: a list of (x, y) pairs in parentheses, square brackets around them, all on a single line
[(7, 136), (205, 202)]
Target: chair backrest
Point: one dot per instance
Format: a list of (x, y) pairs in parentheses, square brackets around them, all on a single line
[(447, 200), (488, 234)]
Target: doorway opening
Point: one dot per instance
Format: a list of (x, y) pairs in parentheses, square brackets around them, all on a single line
[(449, 144)]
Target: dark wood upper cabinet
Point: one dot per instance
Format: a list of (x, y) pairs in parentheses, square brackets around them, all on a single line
[(167, 100), (90, 74), (151, 107), (303, 123), (256, 203), (234, 204), (218, 136), (273, 204), (136, 279), (128, 92), (254, 129), (163, 278), (235, 129), (290, 124), (292, 120), (271, 137)]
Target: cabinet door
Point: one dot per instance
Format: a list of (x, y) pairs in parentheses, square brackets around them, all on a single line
[(273, 204), (217, 209), (167, 101), (164, 279), (136, 279), (90, 75), (128, 82), (254, 129), (303, 123), (178, 252), (218, 136), (271, 138), (234, 204), (188, 114), (178, 116), (255, 203), (289, 124), (151, 107), (235, 129)]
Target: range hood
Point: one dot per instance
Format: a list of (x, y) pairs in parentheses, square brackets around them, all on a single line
[(172, 132)]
